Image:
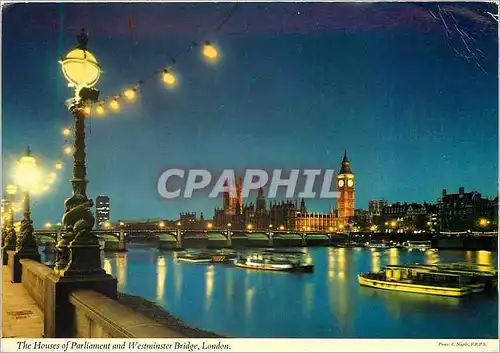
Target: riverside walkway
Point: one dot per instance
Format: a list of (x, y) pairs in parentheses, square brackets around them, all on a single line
[(21, 317)]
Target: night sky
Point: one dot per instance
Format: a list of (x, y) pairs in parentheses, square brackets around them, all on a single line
[(409, 90)]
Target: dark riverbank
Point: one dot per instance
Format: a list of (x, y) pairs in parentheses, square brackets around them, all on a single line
[(158, 314)]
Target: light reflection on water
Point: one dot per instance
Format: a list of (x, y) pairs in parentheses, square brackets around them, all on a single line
[(121, 270), (161, 276), (209, 284), (326, 303)]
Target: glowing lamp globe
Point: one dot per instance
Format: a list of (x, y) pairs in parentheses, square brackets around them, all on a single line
[(168, 78), (483, 222), (27, 175), (99, 110), (210, 52), (114, 105), (129, 94), (11, 189), (87, 110), (80, 68)]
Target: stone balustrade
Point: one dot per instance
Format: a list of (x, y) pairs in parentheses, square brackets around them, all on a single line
[(97, 316), (33, 275), (88, 314)]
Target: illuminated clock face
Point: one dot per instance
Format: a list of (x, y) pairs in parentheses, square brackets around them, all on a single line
[(341, 183), (350, 183)]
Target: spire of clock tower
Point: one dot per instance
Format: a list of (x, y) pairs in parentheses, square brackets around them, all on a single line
[(345, 168), (345, 187)]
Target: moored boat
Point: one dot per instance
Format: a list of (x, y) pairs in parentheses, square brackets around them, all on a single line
[(484, 274), (268, 261), (416, 279), (206, 257), (224, 257), (194, 257), (421, 245), (375, 245), (353, 244)]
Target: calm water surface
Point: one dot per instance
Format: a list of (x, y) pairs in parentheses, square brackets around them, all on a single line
[(327, 303)]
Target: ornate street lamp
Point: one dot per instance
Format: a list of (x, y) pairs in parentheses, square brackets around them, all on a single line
[(28, 178), (78, 250), (10, 240), (4, 218)]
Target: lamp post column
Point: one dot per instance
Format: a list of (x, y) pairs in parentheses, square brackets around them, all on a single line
[(27, 247), (78, 259), (78, 250), (26, 242), (10, 240), (179, 236), (122, 244), (58, 231), (229, 242)]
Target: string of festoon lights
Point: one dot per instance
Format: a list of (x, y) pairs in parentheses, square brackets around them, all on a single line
[(209, 51), (168, 76)]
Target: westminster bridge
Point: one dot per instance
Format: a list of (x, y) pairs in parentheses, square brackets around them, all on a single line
[(116, 239)]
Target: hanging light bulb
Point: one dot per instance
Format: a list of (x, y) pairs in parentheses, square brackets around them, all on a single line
[(130, 94), (58, 165), (51, 178), (99, 110), (210, 52), (86, 110), (68, 150), (66, 132), (114, 105), (168, 78)]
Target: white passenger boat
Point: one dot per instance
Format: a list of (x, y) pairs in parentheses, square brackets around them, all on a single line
[(269, 261), (420, 245)]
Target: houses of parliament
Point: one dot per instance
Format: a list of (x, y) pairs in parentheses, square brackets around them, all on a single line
[(287, 215)]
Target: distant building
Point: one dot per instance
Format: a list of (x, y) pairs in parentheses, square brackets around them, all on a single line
[(375, 207), (317, 221), (361, 220), (285, 215), (404, 217), (467, 211), (102, 210), (345, 187), (189, 221)]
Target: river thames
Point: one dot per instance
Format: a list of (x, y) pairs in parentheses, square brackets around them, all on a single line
[(328, 303)]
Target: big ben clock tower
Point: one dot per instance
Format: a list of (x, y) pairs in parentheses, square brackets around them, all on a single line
[(345, 186)]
